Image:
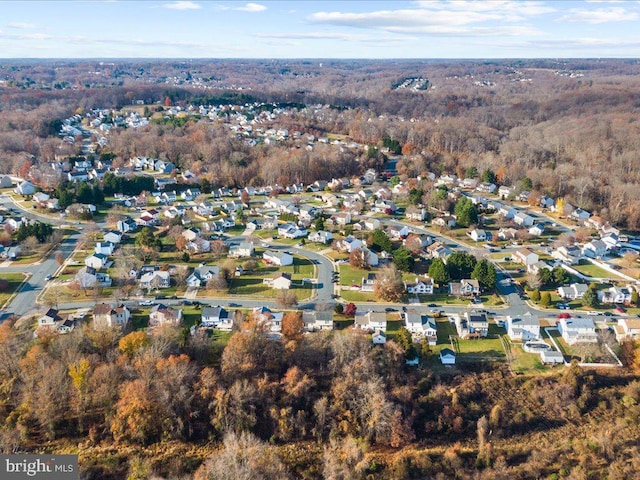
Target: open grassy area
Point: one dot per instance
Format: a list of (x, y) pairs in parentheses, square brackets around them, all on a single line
[(352, 276), (13, 282), (594, 271), (357, 296)]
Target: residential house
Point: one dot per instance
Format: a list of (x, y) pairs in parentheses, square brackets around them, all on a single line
[(113, 237), (5, 181), (105, 248), (50, 318), (371, 320), (41, 198), (371, 223), (465, 288), (277, 258), (88, 277), (294, 232), (106, 316), (271, 319), (97, 261), (216, 317), (573, 291), (569, 255), (366, 284), (627, 328), (447, 356), (523, 328), (397, 233), (164, 315), (537, 229), (447, 221), (525, 257), (420, 326), (611, 241), (77, 176), (580, 215), (487, 187), (281, 281), (478, 235), (417, 214), (420, 286), (379, 338), (594, 249), (523, 219), (477, 324), (321, 236), (126, 225), (349, 244), (507, 234), (242, 250), (317, 320), (577, 330), (201, 275), (155, 279), (523, 196), (164, 166), (25, 188), (507, 211), (547, 202), (505, 191), (619, 295)]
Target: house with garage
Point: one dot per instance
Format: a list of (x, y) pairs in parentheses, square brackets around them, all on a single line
[(201, 275), (573, 291), (242, 250), (97, 261), (594, 249), (421, 285), (578, 330), (523, 328), (478, 235), (107, 316), (467, 287), (317, 320), (216, 317), (275, 257), (371, 320), (627, 328), (321, 236), (155, 279), (523, 219), (164, 315), (526, 257), (281, 281)]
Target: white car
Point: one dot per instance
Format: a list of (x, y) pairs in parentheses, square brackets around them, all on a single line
[(593, 312)]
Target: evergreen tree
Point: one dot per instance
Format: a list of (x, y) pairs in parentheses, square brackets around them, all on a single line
[(438, 272), (466, 212)]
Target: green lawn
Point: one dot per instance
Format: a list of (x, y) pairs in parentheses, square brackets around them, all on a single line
[(14, 280), (594, 271), (352, 276), (443, 298), (357, 296)]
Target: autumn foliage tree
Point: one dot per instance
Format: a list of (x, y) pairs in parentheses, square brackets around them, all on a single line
[(388, 285)]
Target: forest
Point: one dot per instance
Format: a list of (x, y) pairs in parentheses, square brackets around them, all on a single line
[(306, 406)]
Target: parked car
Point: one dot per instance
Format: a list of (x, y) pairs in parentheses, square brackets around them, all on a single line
[(564, 315)]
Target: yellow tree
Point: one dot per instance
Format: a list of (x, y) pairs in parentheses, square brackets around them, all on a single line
[(79, 373), (131, 343)]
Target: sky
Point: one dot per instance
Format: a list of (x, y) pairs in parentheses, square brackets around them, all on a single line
[(319, 29)]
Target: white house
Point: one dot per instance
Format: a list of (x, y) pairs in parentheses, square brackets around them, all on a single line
[(371, 320), (420, 286), (580, 214), (537, 229), (524, 328), (155, 279), (106, 316), (216, 317), (97, 261), (277, 258), (281, 281), (573, 291), (478, 235), (627, 328), (242, 250), (105, 248), (321, 236), (616, 295), (523, 219), (113, 237), (525, 256), (317, 320), (594, 249), (379, 338), (25, 188), (577, 330), (349, 244)]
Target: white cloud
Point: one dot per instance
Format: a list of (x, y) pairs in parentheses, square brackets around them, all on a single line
[(344, 37), (601, 15), (252, 7), (434, 22), (22, 25), (182, 5)]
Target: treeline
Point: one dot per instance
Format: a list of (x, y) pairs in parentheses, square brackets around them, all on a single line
[(313, 404)]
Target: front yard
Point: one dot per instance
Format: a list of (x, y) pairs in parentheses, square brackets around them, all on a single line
[(14, 280)]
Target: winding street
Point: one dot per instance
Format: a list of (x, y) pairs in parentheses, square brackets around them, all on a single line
[(24, 301)]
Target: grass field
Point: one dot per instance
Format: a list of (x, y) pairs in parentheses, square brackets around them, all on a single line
[(595, 271), (14, 280)]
